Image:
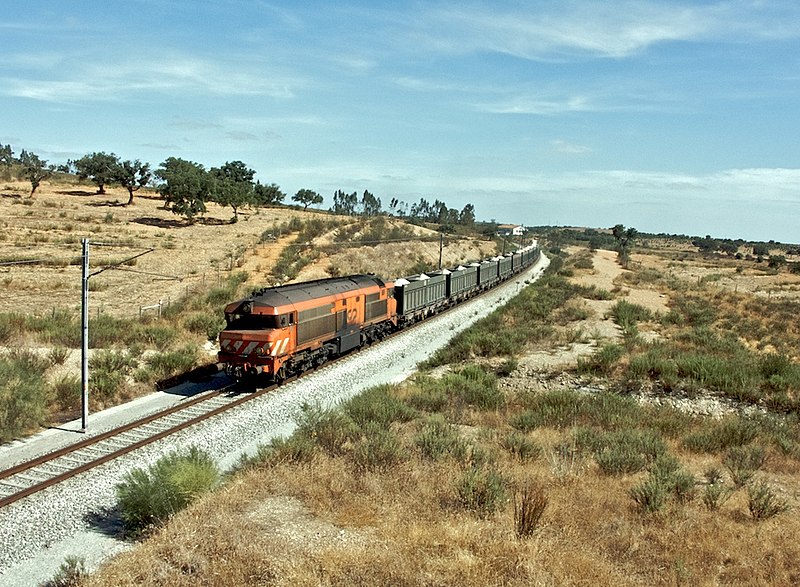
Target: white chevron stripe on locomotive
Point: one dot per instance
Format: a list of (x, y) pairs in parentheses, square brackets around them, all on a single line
[(249, 348)]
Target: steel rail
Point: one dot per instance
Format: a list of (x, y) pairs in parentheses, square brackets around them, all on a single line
[(121, 451)]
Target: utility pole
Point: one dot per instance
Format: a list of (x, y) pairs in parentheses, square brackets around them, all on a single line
[(85, 339), (85, 328)]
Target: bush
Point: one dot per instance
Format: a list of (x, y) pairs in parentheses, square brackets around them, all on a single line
[(160, 366), (481, 491), (743, 461), (651, 494), (328, 429), (23, 397), (521, 446), (209, 324), (377, 404), (150, 497), (70, 574), (726, 433), (379, 449), (67, 391), (763, 503), (602, 360), (628, 451), (438, 438), (474, 386), (108, 371)]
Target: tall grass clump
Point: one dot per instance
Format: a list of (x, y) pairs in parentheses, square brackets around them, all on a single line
[(530, 503), (627, 315), (148, 497), (731, 431), (70, 574), (330, 429), (23, 397), (602, 361), (742, 462), (475, 387), (378, 449)]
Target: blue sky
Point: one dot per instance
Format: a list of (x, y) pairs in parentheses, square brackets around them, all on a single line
[(678, 117)]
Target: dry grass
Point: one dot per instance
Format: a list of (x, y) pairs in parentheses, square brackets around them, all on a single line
[(327, 523)]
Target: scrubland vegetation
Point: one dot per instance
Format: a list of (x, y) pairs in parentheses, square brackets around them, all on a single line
[(464, 475)]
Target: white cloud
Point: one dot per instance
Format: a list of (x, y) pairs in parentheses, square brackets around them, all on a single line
[(568, 148), (599, 29)]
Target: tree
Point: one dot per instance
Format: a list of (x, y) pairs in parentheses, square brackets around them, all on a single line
[(132, 175), (370, 205), (467, 215), (267, 195), (344, 203), (306, 198), (99, 168), (232, 185), (34, 169), (624, 240), (186, 186), (6, 155)]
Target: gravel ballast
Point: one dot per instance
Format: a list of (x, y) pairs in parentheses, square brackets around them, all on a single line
[(39, 532)]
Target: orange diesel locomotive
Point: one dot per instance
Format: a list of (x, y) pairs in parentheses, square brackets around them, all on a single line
[(289, 329)]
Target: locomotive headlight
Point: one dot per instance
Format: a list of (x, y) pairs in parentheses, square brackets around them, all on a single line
[(247, 307)]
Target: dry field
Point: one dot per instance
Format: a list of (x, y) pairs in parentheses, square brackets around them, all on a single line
[(329, 520), (48, 229)]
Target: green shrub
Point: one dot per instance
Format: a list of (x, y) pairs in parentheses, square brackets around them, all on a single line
[(208, 324), (160, 366), (481, 491), (763, 503), (602, 360), (70, 574), (108, 370), (519, 445), (438, 438), (23, 397), (428, 395), (474, 386), (628, 451), (379, 449), (556, 408), (721, 435), (150, 497), (67, 391), (328, 429), (743, 461), (627, 315), (651, 494), (377, 404)]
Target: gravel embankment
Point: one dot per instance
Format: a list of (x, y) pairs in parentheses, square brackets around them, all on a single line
[(37, 533)]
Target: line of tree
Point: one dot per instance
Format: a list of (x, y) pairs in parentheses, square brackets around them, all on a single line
[(187, 186)]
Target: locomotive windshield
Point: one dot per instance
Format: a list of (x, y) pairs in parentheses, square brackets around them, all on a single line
[(251, 321)]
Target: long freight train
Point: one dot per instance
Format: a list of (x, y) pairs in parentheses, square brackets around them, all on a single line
[(286, 330)]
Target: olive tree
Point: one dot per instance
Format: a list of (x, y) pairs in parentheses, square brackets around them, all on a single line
[(34, 169), (186, 186), (99, 168), (132, 175), (306, 198)]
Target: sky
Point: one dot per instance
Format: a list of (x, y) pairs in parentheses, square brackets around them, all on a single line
[(676, 117)]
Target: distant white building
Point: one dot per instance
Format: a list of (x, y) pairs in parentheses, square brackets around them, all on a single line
[(510, 230)]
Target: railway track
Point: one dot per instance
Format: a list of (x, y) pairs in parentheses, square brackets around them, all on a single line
[(46, 471), (32, 476)]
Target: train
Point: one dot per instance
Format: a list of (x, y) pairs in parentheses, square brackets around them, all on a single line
[(282, 331)]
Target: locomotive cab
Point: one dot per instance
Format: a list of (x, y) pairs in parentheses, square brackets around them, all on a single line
[(254, 342)]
